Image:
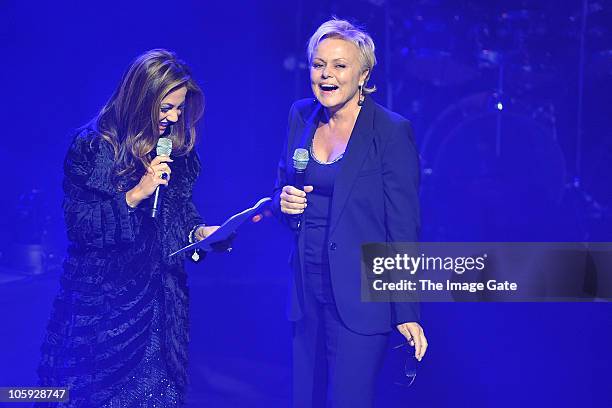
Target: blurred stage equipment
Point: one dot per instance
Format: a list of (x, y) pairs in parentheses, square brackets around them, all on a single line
[(504, 72), (482, 158), (29, 251), (440, 45)]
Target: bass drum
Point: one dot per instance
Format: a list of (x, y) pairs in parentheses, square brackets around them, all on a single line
[(492, 172)]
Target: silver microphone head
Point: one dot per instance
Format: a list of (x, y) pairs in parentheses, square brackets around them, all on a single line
[(300, 159), (164, 146)]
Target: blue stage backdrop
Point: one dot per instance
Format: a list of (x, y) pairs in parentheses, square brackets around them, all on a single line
[(439, 66)]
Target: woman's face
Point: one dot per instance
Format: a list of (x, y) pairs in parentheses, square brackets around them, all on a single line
[(335, 73), (171, 108)]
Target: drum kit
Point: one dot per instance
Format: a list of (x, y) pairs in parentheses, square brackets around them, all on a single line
[(496, 152)]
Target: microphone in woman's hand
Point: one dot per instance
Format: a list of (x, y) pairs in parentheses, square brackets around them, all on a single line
[(300, 161), (164, 148)]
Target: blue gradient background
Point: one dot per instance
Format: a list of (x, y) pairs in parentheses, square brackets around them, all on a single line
[(61, 61)]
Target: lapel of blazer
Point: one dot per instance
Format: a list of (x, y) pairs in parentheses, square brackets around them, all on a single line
[(356, 151), (304, 132)]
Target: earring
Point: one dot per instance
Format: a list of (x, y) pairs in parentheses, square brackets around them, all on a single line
[(361, 95)]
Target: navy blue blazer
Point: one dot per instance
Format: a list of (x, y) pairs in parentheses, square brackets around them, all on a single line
[(375, 200)]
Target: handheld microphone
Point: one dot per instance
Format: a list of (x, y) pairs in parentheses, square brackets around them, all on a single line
[(164, 148), (300, 161)]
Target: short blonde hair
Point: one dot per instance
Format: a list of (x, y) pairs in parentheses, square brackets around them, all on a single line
[(336, 28)]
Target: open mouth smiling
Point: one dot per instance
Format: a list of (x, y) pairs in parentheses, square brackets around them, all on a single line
[(328, 87)]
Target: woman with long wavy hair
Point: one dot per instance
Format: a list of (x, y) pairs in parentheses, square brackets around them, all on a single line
[(118, 334)]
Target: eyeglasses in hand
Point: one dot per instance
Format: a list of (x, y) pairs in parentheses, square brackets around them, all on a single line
[(406, 351)]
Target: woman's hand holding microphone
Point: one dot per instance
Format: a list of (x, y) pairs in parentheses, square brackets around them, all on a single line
[(149, 182), (293, 200)]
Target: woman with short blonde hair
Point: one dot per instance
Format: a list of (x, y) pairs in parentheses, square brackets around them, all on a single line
[(360, 185)]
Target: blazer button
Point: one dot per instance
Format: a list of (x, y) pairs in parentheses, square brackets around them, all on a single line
[(333, 246)]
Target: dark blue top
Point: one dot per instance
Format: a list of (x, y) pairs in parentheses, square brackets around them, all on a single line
[(317, 214)]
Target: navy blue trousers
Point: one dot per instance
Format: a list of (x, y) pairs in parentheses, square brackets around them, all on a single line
[(333, 367)]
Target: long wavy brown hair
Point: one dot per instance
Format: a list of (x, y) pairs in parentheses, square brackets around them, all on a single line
[(130, 119)]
